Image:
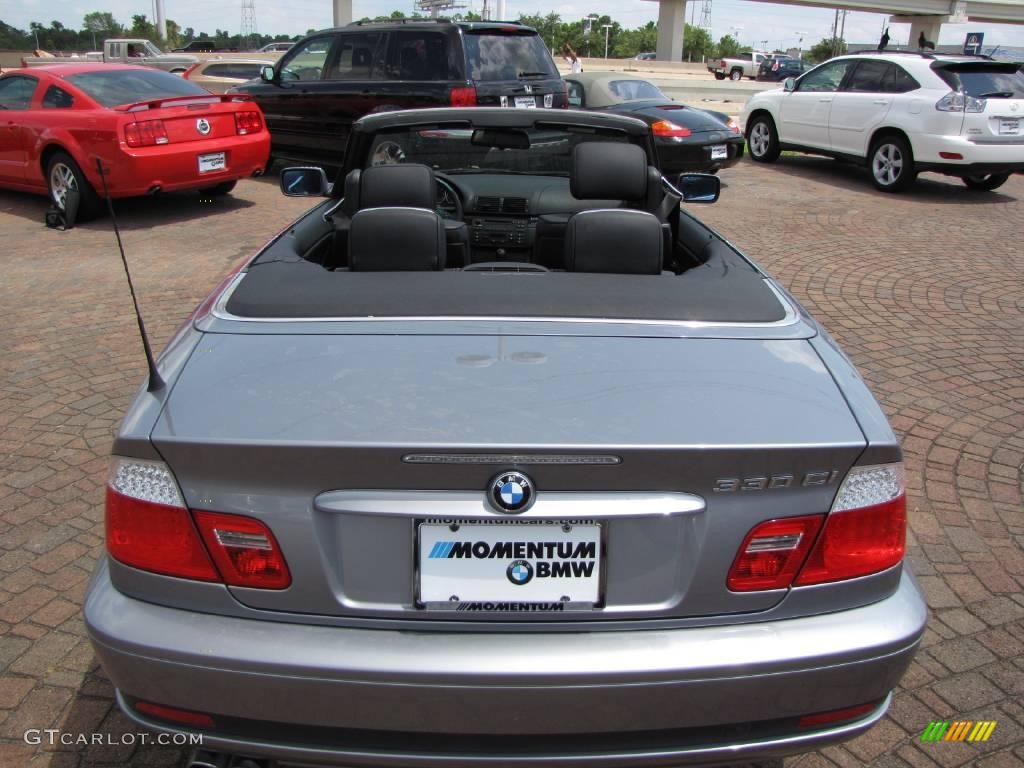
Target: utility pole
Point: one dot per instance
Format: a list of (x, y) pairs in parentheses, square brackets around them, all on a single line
[(606, 28), (248, 31)]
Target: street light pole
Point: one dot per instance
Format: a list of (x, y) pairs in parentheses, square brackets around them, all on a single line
[(606, 28)]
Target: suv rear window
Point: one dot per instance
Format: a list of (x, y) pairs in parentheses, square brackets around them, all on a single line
[(500, 55), (987, 80)]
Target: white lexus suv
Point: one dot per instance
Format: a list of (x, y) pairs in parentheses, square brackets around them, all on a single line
[(899, 114)]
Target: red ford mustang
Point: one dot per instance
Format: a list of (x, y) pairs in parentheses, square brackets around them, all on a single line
[(152, 130)]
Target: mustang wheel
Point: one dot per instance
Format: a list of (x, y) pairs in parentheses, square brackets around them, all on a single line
[(986, 182), (892, 164), (763, 140), (63, 174)]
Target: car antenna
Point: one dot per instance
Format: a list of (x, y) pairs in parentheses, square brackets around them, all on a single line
[(155, 381)]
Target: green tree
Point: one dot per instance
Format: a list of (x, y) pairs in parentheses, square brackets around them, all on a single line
[(826, 49), (630, 42), (15, 39), (727, 46), (697, 43), (142, 27), (99, 25)]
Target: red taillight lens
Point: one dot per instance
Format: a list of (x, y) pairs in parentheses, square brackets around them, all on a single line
[(772, 553), (174, 714), (565, 95), (248, 122), (148, 526), (244, 550), (462, 97), (733, 125), (667, 128), (188, 71), (145, 133), (837, 715), (858, 542)]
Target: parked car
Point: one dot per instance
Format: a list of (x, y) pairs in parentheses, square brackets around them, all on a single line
[(739, 66), (328, 80), (405, 495), (198, 46), (217, 75), (686, 138), (647, 56), (274, 47), (154, 132), (900, 114), (782, 67), (124, 50)]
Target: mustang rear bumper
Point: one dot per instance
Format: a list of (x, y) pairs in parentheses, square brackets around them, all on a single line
[(363, 697)]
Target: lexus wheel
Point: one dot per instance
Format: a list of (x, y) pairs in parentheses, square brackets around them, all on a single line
[(892, 164), (763, 140), (986, 182)]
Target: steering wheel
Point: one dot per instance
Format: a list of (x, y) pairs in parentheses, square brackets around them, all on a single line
[(449, 204)]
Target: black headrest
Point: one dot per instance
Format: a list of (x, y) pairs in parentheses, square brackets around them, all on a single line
[(360, 57), (406, 184), (351, 202), (622, 241), (396, 239), (607, 170)]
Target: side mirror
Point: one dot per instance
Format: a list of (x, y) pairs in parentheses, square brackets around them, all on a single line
[(267, 74), (304, 182), (789, 84), (699, 187)]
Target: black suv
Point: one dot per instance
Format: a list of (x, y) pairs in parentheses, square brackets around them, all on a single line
[(332, 78)]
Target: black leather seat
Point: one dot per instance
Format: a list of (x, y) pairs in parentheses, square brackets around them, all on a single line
[(396, 239), (615, 240)]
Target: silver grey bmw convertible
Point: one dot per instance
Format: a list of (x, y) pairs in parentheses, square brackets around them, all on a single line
[(499, 457)]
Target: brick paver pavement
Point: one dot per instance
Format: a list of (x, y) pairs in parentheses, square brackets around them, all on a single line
[(925, 291)]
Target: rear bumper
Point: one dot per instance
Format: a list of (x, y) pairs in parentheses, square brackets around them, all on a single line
[(176, 166), (978, 157), (685, 158), (387, 698)]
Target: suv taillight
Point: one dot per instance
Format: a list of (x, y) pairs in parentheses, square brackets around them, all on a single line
[(864, 533), (145, 133), (248, 122), (958, 101), (149, 527), (464, 96)]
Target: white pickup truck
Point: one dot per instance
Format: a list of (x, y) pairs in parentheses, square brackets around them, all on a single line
[(123, 51), (739, 66)]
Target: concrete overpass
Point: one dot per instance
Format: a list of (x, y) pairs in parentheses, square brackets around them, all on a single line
[(926, 16)]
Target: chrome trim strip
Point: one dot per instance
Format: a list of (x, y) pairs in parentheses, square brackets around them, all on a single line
[(219, 311), (508, 458), (472, 505)]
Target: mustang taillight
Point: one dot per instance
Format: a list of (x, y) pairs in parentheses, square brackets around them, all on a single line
[(864, 533), (145, 133), (150, 528), (667, 128), (464, 96), (248, 122)]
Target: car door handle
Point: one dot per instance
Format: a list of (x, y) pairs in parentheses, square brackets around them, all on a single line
[(881, 101)]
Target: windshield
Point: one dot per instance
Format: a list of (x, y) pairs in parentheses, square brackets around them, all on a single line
[(986, 81), (500, 55), (152, 50), (127, 86), (539, 151)]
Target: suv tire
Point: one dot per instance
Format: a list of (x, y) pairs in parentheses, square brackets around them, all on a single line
[(986, 182), (891, 164), (763, 140)]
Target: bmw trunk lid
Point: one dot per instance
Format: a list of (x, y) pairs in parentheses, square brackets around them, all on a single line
[(361, 452)]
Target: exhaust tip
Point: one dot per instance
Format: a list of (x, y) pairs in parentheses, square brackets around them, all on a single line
[(154, 189), (204, 758)]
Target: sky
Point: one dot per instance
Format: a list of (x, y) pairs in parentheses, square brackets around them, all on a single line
[(752, 22)]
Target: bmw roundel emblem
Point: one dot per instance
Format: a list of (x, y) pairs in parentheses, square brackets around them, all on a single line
[(511, 492), (519, 572), (203, 126)]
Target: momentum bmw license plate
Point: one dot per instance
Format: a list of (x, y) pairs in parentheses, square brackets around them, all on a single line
[(719, 152), (526, 102), (215, 161), (1009, 126), (509, 566)]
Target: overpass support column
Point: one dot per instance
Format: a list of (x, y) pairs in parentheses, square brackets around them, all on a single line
[(342, 12), (930, 25), (671, 23)]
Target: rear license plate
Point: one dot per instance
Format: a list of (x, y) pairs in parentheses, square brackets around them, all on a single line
[(1009, 126), (509, 566), (526, 102), (215, 161), (720, 152)]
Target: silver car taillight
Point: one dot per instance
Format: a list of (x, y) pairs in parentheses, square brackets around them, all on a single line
[(958, 101)]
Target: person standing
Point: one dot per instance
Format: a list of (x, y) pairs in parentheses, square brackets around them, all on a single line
[(571, 58)]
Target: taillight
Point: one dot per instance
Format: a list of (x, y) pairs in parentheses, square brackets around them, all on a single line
[(866, 531), (464, 96), (188, 71), (248, 122), (666, 128), (837, 715), (145, 133), (245, 550), (148, 526), (772, 553), (958, 101), (175, 715), (733, 125), (722, 64), (565, 95)]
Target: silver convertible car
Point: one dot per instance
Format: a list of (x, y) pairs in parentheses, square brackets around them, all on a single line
[(498, 457)]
